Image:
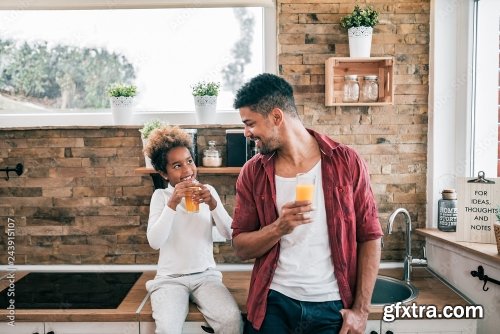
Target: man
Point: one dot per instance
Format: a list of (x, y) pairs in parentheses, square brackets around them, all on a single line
[(316, 262)]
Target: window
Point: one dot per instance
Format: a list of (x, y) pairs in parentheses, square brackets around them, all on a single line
[(487, 93), (464, 95), (59, 75)]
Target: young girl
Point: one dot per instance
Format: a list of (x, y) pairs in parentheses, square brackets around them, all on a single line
[(186, 266)]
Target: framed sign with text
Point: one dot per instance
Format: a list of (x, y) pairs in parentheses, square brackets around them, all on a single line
[(478, 200)]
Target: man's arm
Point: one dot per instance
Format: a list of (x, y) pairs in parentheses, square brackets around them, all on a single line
[(250, 245), (368, 264)]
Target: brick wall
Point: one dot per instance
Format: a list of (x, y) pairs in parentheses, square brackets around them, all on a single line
[(79, 200), (393, 140)]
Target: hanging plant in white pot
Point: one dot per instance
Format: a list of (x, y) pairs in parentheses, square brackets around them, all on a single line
[(205, 101), (122, 98), (359, 25), (146, 130)]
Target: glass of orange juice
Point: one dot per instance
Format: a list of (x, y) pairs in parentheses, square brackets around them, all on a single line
[(304, 188), (191, 205)]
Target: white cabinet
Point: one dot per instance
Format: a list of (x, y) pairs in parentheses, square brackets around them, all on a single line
[(92, 327), (373, 327), (71, 328), (447, 326), (22, 328), (191, 327)]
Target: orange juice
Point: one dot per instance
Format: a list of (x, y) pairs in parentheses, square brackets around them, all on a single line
[(191, 206), (304, 192)]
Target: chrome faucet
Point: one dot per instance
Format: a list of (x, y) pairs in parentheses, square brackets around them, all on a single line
[(407, 261)]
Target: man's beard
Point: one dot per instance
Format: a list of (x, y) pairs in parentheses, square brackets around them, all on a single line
[(269, 147)]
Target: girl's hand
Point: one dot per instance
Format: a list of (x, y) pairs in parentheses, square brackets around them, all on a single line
[(204, 196)]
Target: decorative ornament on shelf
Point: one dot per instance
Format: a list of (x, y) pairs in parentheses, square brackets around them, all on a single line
[(205, 101), (122, 98), (146, 130), (359, 25)]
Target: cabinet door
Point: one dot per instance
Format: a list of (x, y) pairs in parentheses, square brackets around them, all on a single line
[(448, 326), (22, 328), (191, 327), (373, 327), (92, 327)]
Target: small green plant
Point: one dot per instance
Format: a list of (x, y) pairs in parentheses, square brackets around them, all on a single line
[(204, 88), (118, 90), (367, 17), (149, 127)]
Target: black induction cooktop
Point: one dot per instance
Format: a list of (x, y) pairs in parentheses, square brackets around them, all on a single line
[(71, 290)]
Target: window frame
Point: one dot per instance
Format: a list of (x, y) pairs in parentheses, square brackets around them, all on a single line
[(451, 132), (89, 118)]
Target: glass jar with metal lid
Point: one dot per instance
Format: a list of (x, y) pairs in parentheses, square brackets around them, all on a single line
[(211, 155), (351, 88), (369, 92)]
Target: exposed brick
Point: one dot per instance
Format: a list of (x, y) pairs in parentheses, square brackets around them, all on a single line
[(107, 220), (303, 69), (291, 38), (309, 8), (288, 18), (290, 59)]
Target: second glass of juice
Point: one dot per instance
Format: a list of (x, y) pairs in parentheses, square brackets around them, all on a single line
[(304, 189)]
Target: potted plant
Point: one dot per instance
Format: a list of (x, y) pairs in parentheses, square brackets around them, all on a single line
[(122, 99), (205, 101), (359, 25), (145, 131)]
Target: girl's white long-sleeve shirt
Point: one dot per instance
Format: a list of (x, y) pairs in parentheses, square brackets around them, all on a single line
[(184, 239)]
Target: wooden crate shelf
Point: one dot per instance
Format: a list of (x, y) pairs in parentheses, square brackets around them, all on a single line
[(337, 67)]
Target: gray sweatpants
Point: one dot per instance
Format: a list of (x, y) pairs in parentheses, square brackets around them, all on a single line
[(170, 297)]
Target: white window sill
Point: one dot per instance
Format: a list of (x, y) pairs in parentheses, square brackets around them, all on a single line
[(100, 118)]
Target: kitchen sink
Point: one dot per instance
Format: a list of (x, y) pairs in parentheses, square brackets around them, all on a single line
[(389, 290), (71, 290)]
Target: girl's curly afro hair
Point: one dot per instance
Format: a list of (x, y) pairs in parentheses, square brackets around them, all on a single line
[(161, 141)]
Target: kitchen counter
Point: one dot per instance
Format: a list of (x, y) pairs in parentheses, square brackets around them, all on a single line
[(136, 305), (485, 251)]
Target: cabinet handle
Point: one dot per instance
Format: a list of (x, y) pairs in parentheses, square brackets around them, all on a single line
[(207, 329), (51, 332), (389, 332), (373, 332)]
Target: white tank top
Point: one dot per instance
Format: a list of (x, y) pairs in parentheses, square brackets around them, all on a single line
[(305, 269)]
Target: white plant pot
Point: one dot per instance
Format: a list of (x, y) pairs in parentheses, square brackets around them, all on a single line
[(147, 159), (122, 109), (360, 41), (205, 107)]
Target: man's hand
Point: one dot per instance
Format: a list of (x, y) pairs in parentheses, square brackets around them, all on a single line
[(354, 321), (251, 245), (292, 215)]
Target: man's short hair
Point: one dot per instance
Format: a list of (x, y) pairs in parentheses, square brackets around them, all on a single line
[(265, 92)]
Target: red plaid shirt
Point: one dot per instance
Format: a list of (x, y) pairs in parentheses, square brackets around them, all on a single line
[(350, 210)]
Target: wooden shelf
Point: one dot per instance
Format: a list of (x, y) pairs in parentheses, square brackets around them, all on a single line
[(337, 67), (201, 170)]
